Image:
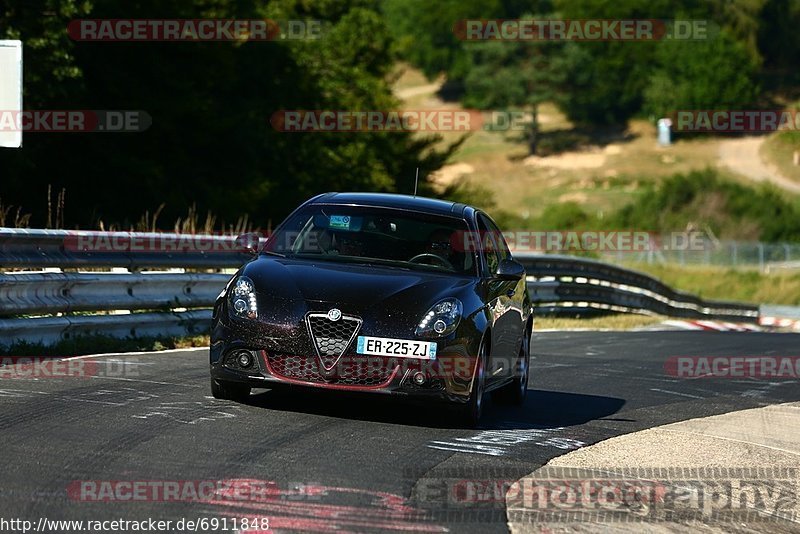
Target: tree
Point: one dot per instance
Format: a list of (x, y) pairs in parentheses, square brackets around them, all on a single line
[(424, 32), (513, 75), (719, 73), (210, 143)]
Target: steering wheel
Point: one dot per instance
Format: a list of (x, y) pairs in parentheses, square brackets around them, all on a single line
[(437, 259)]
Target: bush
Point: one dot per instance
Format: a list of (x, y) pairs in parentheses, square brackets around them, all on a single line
[(701, 199)]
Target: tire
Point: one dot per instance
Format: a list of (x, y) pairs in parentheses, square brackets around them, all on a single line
[(515, 392), (470, 413), (229, 390)]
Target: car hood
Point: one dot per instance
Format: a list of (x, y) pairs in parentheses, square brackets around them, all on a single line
[(351, 287)]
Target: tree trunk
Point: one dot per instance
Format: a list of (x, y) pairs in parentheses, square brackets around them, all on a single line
[(533, 134)]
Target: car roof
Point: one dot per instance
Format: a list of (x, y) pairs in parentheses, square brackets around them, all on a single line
[(390, 200)]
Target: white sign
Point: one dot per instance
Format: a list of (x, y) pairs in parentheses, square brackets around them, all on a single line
[(11, 89)]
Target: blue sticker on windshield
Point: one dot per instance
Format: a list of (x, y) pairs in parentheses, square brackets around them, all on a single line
[(340, 222)]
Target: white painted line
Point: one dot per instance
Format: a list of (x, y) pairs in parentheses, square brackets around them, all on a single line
[(711, 325), (685, 325), (676, 393), (140, 380), (126, 354)]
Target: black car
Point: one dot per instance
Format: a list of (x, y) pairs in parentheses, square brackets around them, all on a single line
[(379, 293)]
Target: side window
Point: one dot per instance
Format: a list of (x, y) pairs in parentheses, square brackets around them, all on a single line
[(502, 247), (488, 243)]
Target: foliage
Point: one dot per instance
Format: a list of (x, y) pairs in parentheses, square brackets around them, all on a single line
[(701, 199), (604, 82), (210, 143), (424, 32), (714, 74)]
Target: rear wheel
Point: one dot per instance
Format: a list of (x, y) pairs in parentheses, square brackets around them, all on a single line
[(229, 390), (515, 392), (470, 413)]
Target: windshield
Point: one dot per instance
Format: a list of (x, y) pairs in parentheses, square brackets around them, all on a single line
[(374, 236)]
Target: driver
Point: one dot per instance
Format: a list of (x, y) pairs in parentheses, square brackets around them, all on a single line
[(439, 244)]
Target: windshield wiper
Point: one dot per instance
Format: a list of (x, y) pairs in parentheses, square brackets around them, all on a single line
[(357, 260)]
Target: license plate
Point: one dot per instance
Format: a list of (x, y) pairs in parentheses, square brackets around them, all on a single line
[(398, 348)]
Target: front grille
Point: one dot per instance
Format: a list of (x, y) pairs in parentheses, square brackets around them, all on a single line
[(331, 338), (350, 371)]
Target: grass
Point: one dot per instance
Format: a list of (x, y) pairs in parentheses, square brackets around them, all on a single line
[(779, 150), (602, 171), (99, 344), (605, 322), (715, 283)]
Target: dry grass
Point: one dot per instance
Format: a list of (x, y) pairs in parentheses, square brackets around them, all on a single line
[(606, 322), (627, 159), (779, 150), (716, 283), (11, 216)]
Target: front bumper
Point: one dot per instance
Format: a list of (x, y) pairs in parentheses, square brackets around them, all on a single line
[(289, 360)]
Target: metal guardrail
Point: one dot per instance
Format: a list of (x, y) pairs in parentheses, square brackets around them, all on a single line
[(174, 303), (38, 293), (572, 285), (27, 248), (49, 330)]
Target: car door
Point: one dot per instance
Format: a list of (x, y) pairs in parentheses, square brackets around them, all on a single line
[(514, 293), (499, 302)]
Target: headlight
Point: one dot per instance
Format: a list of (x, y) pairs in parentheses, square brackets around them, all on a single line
[(243, 298), (442, 319)]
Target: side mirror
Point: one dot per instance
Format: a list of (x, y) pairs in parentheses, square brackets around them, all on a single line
[(510, 270), (249, 243)]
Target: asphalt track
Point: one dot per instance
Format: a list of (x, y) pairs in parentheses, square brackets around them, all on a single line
[(342, 464)]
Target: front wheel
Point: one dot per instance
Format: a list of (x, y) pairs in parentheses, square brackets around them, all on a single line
[(229, 390), (470, 413), (517, 390)]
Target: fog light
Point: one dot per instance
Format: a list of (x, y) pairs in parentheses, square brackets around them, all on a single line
[(419, 378), (244, 359)]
